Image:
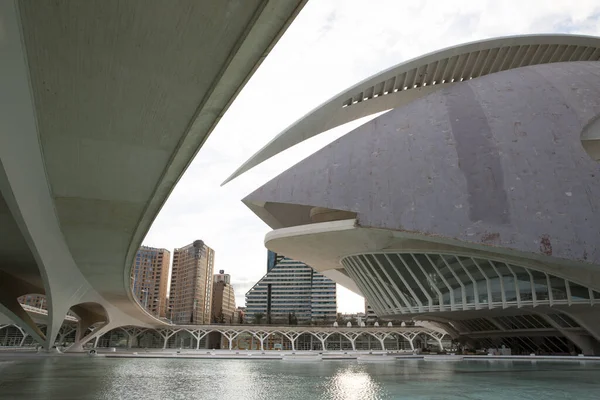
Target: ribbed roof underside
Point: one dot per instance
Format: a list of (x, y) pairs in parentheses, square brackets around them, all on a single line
[(474, 64)]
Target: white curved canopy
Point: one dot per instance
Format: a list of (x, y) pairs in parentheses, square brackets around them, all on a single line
[(420, 76)]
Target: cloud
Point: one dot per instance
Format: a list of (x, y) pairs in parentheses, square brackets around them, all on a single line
[(332, 45)]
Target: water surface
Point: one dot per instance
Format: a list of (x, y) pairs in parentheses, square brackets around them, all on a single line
[(63, 378)]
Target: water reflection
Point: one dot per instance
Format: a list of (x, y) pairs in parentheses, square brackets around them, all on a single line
[(63, 378), (352, 383)]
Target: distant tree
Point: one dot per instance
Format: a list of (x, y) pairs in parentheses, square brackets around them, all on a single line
[(258, 318), (240, 318)]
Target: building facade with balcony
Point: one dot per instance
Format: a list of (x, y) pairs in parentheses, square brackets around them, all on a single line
[(223, 299), (190, 296), (292, 291), (150, 279)]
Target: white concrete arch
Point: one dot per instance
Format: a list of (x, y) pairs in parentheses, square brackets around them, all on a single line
[(413, 79)]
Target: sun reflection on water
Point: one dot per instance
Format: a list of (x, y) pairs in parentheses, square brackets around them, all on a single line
[(63, 378), (352, 383)]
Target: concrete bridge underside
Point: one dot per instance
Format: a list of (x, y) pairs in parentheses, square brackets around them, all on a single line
[(104, 105)]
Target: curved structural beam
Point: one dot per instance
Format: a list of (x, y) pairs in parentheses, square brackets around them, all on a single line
[(413, 79)]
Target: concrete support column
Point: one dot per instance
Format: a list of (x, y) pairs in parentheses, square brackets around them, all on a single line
[(381, 338), (352, 336), (25, 334), (129, 340), (261, 336), (96, 333), (322, 336), (589, 344), (199, 335), (166, 335), (96, 341), (292, 336), (24, 185), (230, 335), (440, 344)]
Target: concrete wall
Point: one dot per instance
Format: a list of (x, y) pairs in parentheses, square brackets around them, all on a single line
[(494, 161)]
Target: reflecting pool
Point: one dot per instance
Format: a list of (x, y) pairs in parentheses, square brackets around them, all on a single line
[(63, 378)]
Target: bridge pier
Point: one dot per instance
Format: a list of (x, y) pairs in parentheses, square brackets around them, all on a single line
[(81, 340)]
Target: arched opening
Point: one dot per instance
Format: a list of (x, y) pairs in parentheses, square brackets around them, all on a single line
[(113, 338), (149, 339), (12, 336), (92, 312), (183, 339), (339, 342), (34, 300), (277, 341)]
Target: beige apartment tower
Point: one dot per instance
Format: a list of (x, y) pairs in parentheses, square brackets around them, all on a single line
[(150, 279), (191, 284), (223, 299)]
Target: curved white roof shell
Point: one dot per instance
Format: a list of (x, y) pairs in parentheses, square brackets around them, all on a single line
[(420, 76)]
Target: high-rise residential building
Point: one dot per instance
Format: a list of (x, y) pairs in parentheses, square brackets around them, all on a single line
[(240, 315), (291, 291), (222, 277), (190, 297), (272, 259), (371, 317), (150, 279), (223, 299), (34, 300)]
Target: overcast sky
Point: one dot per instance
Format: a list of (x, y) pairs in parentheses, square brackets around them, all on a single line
[(332, 44)]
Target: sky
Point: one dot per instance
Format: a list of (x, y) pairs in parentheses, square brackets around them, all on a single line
[(332, 44)]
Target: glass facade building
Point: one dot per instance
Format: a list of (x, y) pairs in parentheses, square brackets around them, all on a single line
[(295, 290)]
